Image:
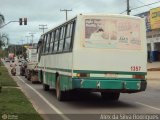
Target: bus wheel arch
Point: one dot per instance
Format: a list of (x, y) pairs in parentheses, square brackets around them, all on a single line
[(46, 87), (41, 76), (61, 95)]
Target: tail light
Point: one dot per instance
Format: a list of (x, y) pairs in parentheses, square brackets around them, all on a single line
[(139, 76), (82, 75)]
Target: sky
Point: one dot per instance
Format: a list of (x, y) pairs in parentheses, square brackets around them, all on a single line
[(47, 12)]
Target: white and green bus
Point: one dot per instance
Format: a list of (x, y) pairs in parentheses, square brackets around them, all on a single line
[(103, 53)]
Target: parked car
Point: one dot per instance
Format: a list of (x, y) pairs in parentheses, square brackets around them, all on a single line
[(31, 72)]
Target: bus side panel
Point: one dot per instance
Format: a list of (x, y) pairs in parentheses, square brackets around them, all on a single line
[(65, 82), (57, 63), (50, 79)]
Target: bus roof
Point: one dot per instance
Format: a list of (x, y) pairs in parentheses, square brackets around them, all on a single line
[(92, 14)]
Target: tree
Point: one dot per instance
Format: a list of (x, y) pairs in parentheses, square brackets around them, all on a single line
[(1, 19), (3, 37), (3, 40)]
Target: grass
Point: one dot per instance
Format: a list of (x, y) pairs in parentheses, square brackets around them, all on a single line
[(5, 78), (13, 102)]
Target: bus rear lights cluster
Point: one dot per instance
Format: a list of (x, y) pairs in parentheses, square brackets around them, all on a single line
[(82, 75), (139, 76)]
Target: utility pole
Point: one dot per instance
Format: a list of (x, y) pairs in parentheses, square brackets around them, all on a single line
[(43, 27), (65, 10), (32, 35), (27, 38), (15, 51), (128, 8), (22, 46), (18, 48)]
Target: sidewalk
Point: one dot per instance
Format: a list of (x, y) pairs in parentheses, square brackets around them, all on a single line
[(154, 66), (153, 71)]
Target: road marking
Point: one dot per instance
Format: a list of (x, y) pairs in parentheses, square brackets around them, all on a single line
[(148, 106), (52, 106)]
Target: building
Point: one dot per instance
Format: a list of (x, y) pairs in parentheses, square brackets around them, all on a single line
[(152, 19)]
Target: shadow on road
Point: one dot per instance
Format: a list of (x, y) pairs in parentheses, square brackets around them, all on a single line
[(94, 100)]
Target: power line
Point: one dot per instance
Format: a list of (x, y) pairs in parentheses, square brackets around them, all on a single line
[(22, 46), (43, 27), (145, 5), (32, 35), (141, 6), (27, 38)]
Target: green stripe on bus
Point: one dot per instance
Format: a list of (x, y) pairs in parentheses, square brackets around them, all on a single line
[(110, 72), (105, 78)]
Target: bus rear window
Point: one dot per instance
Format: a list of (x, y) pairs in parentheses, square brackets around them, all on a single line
[(112, 33)]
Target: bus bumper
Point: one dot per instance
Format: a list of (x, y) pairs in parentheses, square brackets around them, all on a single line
[(125, 86)]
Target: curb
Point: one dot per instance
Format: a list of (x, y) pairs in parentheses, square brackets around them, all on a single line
[(153, 69)]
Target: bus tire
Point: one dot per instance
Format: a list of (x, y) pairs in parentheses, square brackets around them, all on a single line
[(110, 96), (45, 87), (41, 76), (59, 94)]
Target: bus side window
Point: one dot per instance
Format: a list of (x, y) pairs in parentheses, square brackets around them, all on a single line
[(56, 41), (44, 44), (53, 38), (51, 42), (67, 38), (72, 34), (47, 44), (61, 40)]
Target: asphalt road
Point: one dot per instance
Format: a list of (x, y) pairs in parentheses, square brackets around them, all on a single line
[(90, 106)]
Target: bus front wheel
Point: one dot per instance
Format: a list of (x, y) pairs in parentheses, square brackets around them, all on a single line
[(45, 87), (110, 96)]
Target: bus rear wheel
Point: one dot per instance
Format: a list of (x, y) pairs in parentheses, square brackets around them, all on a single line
[(110, 96), (41, 76), (59, 94)]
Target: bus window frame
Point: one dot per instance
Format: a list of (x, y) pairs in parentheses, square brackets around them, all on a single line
[(56, 40), (62, 38), (53, 35), (42, 43), (72, 34), (67, 36), (51, 42), (47, 44), (45, 39)]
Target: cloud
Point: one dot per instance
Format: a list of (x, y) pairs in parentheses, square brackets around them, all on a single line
[(48, 12)]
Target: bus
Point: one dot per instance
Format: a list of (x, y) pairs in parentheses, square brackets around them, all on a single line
[(104, 53)]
